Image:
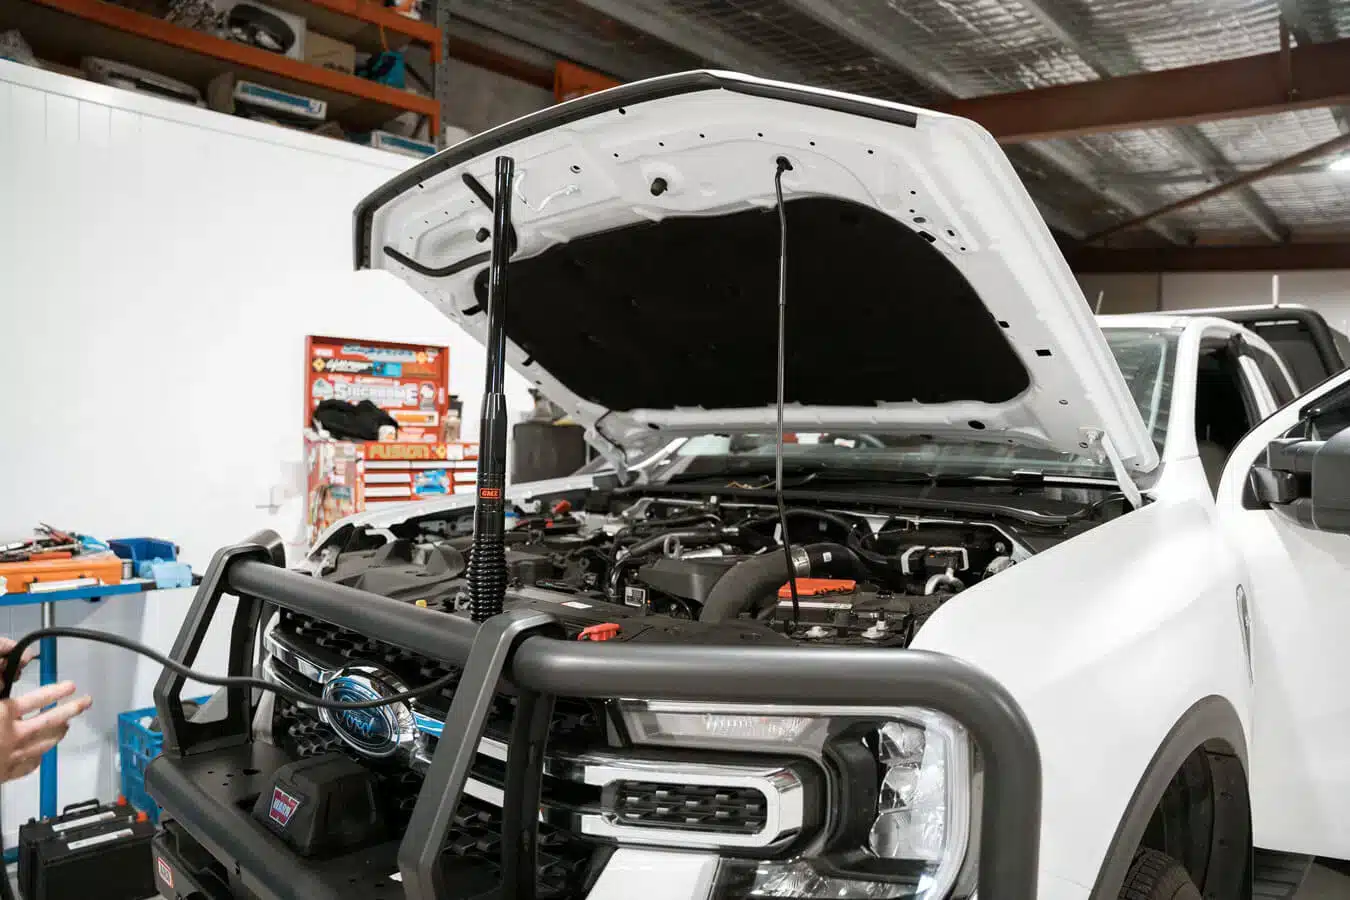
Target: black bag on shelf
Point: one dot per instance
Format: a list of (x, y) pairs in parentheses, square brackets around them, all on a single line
[(345, 421)]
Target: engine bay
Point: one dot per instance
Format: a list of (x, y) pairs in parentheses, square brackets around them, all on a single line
[(693, 569)]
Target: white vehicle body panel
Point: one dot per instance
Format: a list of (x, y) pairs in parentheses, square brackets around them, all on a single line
[(1300, 609)]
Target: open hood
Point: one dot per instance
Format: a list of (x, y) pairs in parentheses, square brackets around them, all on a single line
[(925, 294)]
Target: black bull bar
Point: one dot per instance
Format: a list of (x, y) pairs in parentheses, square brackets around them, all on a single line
[(522, 648)]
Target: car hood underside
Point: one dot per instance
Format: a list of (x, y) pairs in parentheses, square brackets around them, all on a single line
[(924, 293)]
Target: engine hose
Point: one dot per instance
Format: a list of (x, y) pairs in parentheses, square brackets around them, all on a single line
[(749, 585), (855, 542), (631, 532), (701, 535)]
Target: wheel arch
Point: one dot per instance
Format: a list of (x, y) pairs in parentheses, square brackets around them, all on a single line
[(1212, 729)]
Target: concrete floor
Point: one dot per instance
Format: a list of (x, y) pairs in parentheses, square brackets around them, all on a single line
[(1325, 884), (1322, 884)]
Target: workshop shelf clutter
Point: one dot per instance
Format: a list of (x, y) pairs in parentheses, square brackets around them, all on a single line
[(381, 427)]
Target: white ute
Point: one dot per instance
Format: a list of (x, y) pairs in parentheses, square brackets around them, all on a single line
[(1172, 614)]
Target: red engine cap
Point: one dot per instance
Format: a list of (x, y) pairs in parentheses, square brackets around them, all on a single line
[(815, 587)]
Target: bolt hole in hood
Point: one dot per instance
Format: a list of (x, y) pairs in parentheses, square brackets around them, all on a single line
[(925, 294)]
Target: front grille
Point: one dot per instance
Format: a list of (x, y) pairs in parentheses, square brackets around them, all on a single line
[(725, 810), (576, 724), (589, 798), (475, 833)]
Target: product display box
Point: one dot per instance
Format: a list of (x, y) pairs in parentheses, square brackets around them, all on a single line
[(410, 382)]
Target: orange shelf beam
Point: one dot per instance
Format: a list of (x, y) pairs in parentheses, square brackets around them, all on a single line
[(375, 14), (133, 22)]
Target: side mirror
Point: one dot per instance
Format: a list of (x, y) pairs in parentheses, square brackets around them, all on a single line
[(1307, 480)]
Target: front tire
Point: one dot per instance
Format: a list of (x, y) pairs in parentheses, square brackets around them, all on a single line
[(1156, 876)]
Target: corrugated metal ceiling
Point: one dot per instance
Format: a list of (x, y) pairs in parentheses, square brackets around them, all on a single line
[(919, 51)]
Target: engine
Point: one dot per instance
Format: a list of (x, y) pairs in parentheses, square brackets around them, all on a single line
[(861, 578)]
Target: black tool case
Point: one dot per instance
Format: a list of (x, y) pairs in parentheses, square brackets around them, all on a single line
[(91, 843)]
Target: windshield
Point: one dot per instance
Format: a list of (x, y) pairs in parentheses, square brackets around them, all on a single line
[(1146, 358)]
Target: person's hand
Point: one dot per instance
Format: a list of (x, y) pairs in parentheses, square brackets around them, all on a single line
[(8, 644), (24, 740)]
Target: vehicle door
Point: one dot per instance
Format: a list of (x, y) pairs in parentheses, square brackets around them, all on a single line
[(1284, 502)]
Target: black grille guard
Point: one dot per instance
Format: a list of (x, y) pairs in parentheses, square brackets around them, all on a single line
[(522, 647)]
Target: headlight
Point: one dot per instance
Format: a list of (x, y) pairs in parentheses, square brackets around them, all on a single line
[(900, 795)]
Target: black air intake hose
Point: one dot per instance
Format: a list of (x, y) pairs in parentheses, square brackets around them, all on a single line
[(754, 583), (646, 545)]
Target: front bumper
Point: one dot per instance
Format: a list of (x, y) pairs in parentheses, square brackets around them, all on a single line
[(211, 772), (213, 848)]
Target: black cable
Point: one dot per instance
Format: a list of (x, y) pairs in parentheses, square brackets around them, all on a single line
[(14, 657), (1089, 511), (783, 166)]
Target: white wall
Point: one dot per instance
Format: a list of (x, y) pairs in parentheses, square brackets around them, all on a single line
[(160, 266), (1327, 292)]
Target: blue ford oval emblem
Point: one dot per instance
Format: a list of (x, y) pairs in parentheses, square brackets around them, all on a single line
[(377, 731)]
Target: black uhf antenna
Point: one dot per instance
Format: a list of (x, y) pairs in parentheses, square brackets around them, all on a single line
[(487, 565), (783, 166)]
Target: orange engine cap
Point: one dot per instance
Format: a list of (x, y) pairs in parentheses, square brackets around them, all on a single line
[(814, 587)]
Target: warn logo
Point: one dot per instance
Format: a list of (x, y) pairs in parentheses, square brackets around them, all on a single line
[(283, 807)]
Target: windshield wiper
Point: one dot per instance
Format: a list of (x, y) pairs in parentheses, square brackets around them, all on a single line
[(815, 474)]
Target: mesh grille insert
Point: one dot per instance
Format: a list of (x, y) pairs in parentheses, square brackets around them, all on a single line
[(729, 810)]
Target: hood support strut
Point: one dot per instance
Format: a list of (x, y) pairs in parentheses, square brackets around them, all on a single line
[(1101, 441)]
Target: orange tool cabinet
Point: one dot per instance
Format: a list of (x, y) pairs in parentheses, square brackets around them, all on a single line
[(106, 567)]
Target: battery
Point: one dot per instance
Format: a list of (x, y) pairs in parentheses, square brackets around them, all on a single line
[(107, 844)]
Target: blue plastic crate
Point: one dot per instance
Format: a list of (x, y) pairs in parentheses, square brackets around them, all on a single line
[(137, 745), (144, 549)]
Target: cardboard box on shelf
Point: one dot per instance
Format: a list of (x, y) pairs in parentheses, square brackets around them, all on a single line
[(383, 140), (330, 53)]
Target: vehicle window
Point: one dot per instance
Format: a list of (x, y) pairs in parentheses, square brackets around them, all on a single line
[(1147, 358), (1292, 340), (1225, 408), (1280, 387), (1342, 345), (1331, 417)]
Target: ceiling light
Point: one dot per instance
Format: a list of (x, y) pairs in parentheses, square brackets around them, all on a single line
[(1340, 164)]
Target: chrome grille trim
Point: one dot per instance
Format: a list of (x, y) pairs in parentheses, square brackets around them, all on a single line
[(783, 789), (784, 793)]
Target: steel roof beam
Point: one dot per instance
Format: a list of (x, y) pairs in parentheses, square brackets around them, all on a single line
[(1229, 89), (592, 53), (1183, 176), (718, 49), (927, 71), (1325, 148), (1307, 29), (1190, 140), (1237, 258)]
